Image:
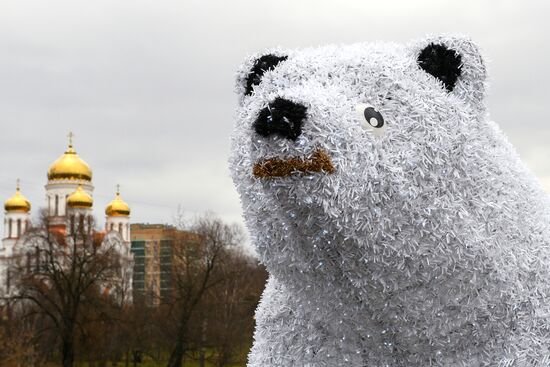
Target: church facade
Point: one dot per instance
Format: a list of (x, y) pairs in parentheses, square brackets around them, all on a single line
[(69, 200)]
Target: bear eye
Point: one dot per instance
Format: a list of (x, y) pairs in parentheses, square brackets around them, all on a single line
[(373, 117), (370, 118)]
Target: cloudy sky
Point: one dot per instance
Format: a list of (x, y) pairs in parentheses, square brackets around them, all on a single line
[(147, 86)]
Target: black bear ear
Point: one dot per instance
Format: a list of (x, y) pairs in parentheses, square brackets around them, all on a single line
[(456, 62), (441, 62), (253, 70), (261, 65)]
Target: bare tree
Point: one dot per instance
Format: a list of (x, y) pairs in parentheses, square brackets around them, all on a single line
[(62, 277), (18, 347), (231, 309), (228, 311), (197, 268)]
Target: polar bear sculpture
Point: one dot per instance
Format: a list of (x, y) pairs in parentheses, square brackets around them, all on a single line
[(398, 225)]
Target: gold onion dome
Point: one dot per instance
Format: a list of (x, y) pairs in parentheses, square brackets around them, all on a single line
[(80, 199), (69, 166), (117, 207), (17, 203)]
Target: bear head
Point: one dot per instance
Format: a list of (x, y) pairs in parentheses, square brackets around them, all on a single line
[(330, 143)]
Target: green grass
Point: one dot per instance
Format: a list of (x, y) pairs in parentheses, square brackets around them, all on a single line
[(160, 364), (186, 364), (149, 362)]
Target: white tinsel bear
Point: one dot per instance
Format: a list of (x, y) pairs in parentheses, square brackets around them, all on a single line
[(398, 225)]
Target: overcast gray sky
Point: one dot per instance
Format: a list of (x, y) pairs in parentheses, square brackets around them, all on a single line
[(147, 86)]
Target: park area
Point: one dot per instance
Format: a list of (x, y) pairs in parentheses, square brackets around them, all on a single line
[(67, 304)]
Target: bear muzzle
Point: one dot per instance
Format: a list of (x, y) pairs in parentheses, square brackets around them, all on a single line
[(285, 118), (319, 162)]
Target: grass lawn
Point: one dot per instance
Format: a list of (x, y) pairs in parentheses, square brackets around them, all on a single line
[(159, 364), (149, 362), (186, 364)]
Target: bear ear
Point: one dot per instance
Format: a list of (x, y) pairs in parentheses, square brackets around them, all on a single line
[(456, 62), (253, 70)]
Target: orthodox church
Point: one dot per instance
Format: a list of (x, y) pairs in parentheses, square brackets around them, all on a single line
[(69, 199)]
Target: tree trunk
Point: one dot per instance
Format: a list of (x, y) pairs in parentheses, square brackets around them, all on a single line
[(176, 357), (67, 352), (201, 358)]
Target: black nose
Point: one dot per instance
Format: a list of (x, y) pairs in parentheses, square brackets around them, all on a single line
[(281, 117)]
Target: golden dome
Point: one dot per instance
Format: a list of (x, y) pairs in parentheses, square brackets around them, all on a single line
[(17, 203), (70, 166), (117, 207), (80, 199)]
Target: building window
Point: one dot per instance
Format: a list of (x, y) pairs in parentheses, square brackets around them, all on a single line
[(138, 281), (9, 228), (166, 256), (56, 205)]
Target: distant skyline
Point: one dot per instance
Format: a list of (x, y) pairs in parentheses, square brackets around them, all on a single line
[(147, 87)]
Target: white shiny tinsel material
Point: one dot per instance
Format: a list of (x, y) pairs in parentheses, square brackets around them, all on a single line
[(429, 245)]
